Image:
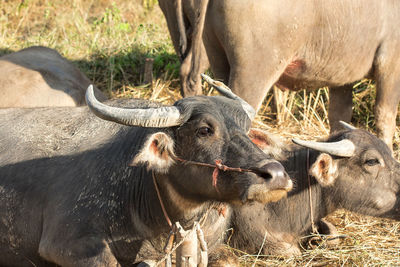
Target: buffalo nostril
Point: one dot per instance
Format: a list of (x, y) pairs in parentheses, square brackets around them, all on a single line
[(270, 170), (262, 173), (275, 170), (275, 174)]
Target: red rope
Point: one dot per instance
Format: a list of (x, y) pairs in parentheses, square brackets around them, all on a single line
[(161, 202), (217, 166), (215, 178)]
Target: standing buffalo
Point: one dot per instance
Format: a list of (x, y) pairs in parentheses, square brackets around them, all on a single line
[(297, 44), (70, 195), (40, 77), (353, 170)]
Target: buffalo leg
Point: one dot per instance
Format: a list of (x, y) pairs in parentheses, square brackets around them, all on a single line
[(387, 91), (328, 229), (222, 256), (386, 111), (216, 54), (190, 82), (193, 57), (253, 83), (248, 71), (193, 64), (340, 106), (87, 252)]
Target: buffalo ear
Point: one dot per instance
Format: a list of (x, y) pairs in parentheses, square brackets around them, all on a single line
[(267, 142), (324, 170), (157, 153)]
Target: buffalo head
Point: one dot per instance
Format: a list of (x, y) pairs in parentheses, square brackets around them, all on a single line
[(199, 130), (360, 172)]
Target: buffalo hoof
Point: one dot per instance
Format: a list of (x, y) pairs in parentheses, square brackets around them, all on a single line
[(222, 256), (147, 263), (329, 238)]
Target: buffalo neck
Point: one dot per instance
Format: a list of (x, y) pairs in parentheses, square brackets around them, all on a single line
[(296, 208), (151, 224), (141, 228), (129, 190), (179, 207)]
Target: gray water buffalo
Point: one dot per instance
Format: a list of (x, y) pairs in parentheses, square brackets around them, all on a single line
[(252, 45), (40, 77), (353, 170), (78, 190)]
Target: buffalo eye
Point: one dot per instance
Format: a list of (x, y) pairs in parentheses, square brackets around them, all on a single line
[(204, 131), (372, 162)]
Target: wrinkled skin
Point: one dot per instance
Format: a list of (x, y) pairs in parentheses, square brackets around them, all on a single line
[(69, 195), (40, 77), (367, 183), (252, 45)]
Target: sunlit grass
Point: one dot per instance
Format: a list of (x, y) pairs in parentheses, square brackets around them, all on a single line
[(108, 40)]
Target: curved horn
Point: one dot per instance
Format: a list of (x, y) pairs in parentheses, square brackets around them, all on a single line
[(147, 117), (347, 125), (224, 90), (342, 148)]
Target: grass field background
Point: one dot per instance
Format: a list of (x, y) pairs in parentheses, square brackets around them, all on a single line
[(110, 40)]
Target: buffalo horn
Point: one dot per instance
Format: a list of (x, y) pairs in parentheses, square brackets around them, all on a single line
[(347, 125), (226, 91), (143, 117), (342, 148)]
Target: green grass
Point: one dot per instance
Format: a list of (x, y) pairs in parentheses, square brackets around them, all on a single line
[(108, 40)]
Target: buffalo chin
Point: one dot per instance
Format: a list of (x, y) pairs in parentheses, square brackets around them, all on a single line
[(260, 194), (393, 213)]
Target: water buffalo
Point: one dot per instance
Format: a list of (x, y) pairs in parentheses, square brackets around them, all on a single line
[(40, 77), (78, 190), (297, 44), (353, 170)]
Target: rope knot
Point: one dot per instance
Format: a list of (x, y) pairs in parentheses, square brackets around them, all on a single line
[(221, 166), (215, 178)]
